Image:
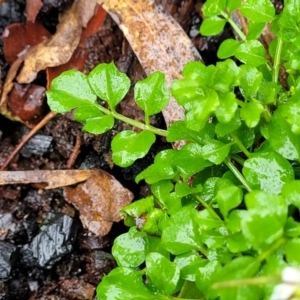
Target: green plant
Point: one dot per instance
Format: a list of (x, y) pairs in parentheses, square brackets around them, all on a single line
[(222, 220)]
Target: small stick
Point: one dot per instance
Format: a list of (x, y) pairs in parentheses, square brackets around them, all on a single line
[(32, 132), (75, 152)]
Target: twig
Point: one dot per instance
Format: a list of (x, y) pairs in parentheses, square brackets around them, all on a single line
[(33, 131), (75, 152)]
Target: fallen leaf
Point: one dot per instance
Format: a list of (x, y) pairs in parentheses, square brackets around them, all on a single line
[(27, 102), (56, 51), (18, 38), (158, 41), (53, 178), (99, 200), (88, 10), (32, 9)]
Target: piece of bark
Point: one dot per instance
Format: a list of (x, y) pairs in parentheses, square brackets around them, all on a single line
[(32, 9), (158, 41)]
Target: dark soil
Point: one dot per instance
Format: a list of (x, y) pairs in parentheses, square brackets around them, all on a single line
[(45, 253)]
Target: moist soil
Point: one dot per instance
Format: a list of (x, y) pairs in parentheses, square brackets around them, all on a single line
[(45, 253)]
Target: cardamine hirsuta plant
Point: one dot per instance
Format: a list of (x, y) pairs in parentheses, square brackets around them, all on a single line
[(223, 218)]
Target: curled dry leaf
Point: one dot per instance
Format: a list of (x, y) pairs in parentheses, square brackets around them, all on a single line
[(99, 200), (157, 40), (32, 9), (58, 50), (88, 10)]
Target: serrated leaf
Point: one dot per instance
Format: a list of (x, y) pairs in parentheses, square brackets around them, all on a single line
[(127, 146), (212, 26), (99, 125), (109, 83), (251, 112), (227, 48), (252, 53), (267, 171), (258, 11), (129, 251), (70, 90), (151, 94), (162, 273), (123, 281)]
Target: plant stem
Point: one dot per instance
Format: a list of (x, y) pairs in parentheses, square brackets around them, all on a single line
[(240, 144), (132, 122), (246, 281), (209, 209), (234, 26), (238, 159), (237, 174), (277, 57)]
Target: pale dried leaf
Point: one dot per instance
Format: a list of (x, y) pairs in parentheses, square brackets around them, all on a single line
[(87, 9), (53, 178), (56, 51), (99, 200), (157, 40)]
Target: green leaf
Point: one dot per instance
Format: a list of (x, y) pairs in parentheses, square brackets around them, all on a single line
[(129, 251), (256, 222), (70, 90), (237, 243), (251, 80), (162, 273), (109, 83), (227, 108), (282, 139), (161, 190), (215, 151), (127, 146), (255, 30), (241, 267), (229, 198), (86, 112), (251, 112), (252, 53), (232, 5), (151, 94), (292, 249), (227, 48), (180, 233), (258, 11), (212, 26), (155, 173), (291, 192), (267, 171), (208, 221), (152, 221), (124, 281), (99, 125), (213, 7), (189, 263), (137, 208), (223, 129)]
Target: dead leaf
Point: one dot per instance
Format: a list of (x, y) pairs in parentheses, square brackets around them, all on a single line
[(18, 38), (53, 178), (99, 200), (56, 51), (88, 10), (32, 9), (157, 40)]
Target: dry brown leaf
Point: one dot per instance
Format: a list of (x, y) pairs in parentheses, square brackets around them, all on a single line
[(99, 200), (88, 10), (56, 51), (53, 178), (32, 9), (157, 40)]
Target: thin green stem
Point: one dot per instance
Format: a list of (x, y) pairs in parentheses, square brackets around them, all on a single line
[(237, 174), (234, 26), (276, 64), (238, 159), (246, 281), (240, 144), (209, 209), (132, 122)]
